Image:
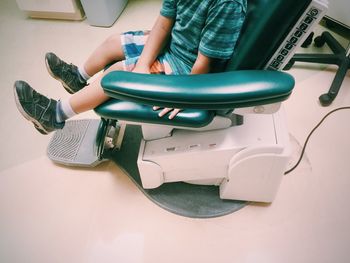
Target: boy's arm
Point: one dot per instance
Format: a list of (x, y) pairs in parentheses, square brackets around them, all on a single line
[(156, 41), (202, 65)]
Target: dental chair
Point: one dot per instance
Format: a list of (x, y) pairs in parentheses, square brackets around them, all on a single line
[(231, 133)]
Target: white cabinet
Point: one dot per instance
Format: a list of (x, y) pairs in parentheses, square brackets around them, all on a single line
[(103, 12), (57, 9)]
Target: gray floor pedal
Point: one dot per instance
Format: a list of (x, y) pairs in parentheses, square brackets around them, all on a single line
[(75, 144)]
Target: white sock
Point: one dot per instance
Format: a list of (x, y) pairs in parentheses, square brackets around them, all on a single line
[(83, 73), (64, 110)]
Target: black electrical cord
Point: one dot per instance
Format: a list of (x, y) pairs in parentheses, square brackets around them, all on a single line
[(308, 137)]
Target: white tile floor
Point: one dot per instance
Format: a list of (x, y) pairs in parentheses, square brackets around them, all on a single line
[(50, 213)]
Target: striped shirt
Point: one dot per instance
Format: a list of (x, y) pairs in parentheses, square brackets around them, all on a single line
[(211, 27)]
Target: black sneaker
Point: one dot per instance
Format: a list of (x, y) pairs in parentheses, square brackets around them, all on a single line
[(67, 74), (38, 109)]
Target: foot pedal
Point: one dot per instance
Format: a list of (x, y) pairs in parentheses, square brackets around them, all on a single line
[(76, 144)]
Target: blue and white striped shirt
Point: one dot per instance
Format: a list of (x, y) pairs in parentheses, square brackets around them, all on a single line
[(210, 27)]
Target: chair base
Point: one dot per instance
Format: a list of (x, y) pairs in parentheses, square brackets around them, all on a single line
[(340, 57), (80, 143), (250, 161)]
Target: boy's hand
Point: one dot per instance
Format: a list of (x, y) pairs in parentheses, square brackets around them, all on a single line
[(174, 112)]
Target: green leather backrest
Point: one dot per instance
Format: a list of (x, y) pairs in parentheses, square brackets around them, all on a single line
[(267, 24)]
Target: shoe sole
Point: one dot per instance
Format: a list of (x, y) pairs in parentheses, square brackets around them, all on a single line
[(65, 86), (37, 125)]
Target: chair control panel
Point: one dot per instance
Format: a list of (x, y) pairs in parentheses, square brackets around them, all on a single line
[(310, 18)]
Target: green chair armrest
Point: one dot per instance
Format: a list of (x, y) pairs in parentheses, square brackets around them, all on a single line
[(215, 91), (136, 112)]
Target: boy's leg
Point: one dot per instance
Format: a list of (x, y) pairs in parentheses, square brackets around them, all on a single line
[(47, 114), (109, 51), (92, 95), (73, 78)]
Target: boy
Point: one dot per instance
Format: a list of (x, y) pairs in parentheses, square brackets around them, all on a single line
[(189, 37)]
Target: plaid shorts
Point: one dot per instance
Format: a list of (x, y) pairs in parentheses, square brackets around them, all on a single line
[(133, 43)]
